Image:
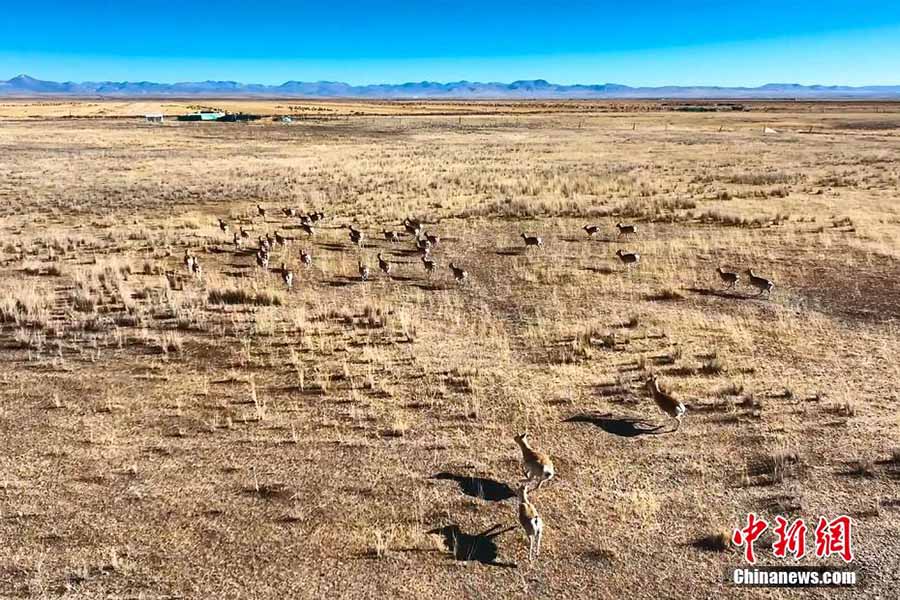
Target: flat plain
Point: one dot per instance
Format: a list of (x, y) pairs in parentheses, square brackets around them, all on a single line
[(169, 435)]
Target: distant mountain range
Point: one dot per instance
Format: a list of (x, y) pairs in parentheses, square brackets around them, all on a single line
[(25, 86)]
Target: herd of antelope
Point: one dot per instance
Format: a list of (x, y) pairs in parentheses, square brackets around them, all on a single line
[(537, 466)]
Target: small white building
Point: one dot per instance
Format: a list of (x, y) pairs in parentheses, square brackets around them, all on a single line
[(154, 117)]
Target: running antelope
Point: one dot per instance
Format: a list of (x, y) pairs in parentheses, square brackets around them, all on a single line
[(356, 236), (429, 264), (460, 274), (535, 465), (760, 283), (531, 522), (626, 229), (384, 265), (628, 258), (287, 276), (666, 402), (413, 227), (591, 230), (532, 240), (729, 278), (305, 258), (423, 245)]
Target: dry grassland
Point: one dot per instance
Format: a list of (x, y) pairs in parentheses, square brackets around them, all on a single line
[(164, 435)]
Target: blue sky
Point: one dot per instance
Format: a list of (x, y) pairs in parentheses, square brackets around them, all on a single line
[(648, 42)]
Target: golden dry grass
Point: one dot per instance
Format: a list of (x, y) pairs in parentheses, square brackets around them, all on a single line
[(163, 435)]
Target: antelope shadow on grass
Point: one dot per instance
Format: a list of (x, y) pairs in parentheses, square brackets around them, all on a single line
[(480, 487), (467, 547), (621, 426)]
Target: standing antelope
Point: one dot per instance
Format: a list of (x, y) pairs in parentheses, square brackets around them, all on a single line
[(666, 401), (363, 272), (261, 211), (531, 522), (760, 283), (591, 230), (729, 278), (535, 465), (391, 236), (289, 212), (307, 229), (189, 261), (223, 225)]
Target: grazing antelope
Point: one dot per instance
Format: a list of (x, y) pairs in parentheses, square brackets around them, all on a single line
[(460, 274), (628, 258), (535, 465), (287, 276), (429, 264), (626, 229), (261, 210), (532, 240), (760, 283), (666, 402), (307, 229), (317, 216), (384, 265), (591, 230), (305, 258), (223, 225), (391, 236), (531, 522), (363, 272), (244, 233), (729, 278)]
